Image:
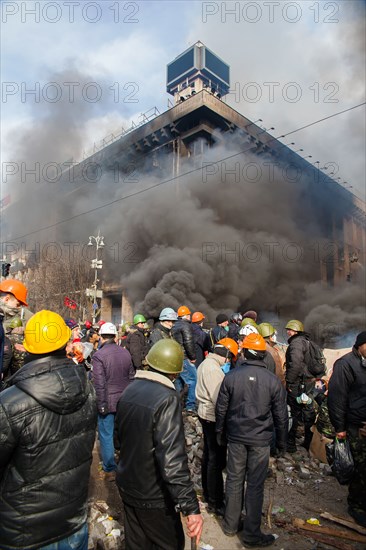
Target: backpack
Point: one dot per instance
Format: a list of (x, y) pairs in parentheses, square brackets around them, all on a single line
[(316, 363)]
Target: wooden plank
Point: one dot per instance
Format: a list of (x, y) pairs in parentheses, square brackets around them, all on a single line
[(350, 523), (297, 522), (329, 541)]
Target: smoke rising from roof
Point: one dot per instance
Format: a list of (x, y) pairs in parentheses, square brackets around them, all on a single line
[(240, 233)]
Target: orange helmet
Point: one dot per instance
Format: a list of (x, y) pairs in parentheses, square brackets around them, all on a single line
[(230, 344), (254, 341), (16, 288), (183, 310), (197, 317)]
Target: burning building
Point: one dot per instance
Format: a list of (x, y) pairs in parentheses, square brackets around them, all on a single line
[(202, 206)]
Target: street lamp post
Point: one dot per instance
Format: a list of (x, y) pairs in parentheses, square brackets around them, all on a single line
[(96, 264)]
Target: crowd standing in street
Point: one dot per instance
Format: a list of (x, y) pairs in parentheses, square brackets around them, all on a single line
[(238, 379)]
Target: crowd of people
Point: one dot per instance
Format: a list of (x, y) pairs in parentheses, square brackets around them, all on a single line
[(61, 380)]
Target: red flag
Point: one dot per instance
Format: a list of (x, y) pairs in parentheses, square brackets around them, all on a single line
[(70, 303)]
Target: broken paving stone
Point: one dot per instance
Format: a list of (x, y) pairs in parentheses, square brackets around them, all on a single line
[(304, 473)]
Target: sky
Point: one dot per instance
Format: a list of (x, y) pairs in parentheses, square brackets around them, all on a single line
[(292, 63)]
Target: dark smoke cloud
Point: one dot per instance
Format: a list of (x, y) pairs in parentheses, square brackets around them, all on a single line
[(220, 242)]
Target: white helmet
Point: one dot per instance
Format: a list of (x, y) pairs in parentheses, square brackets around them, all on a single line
[(108, 328), (248, 329), (168, 314)]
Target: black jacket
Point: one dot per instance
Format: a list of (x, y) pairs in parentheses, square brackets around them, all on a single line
[(251, 400), (233, 331), (138, 346), (48, 418), (201, 341), (297, 358), (182, 332), (218, 333), (159, 332), (153, 467), (347, 392)]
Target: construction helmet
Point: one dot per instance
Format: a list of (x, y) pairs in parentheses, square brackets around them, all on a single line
[(254, 342), (295, 325), (236, 318), (139, 319), (100, 323), (266, 330), (88, 325), (197, 317), (183, 310), (168, 314), (45, 331), (166, 356), (249, 321), (125, 327), (16, 288), (230, 345), (108, 328)]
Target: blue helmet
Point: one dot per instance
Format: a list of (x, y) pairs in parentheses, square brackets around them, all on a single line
[(168, 314)]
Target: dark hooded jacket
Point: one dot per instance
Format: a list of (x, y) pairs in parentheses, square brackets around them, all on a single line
[(47, 423)]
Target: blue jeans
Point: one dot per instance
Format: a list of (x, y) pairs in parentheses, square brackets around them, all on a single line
[(105, 430), (189, 377), (77, 541)]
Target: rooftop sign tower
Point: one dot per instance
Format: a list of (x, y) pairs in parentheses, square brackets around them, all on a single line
[(196, 69)]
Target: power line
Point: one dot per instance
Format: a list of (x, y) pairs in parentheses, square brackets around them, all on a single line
[(134, 194)]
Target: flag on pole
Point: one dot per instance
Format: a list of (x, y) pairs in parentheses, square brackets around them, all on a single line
[(70, 303)]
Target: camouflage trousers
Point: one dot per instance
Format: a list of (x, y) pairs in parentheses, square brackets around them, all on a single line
[(357, 487)]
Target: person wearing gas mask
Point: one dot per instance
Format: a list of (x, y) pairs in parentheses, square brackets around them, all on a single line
[(210, 375), (347, 412)]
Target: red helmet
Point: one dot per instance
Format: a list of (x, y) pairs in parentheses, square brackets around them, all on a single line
[(88, 325), (100, 323)]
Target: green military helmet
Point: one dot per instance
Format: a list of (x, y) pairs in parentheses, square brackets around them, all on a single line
[(125, 327), (166, 356), (15, 322), (139, 319), (296, 325), (249, 321), (266, 330)]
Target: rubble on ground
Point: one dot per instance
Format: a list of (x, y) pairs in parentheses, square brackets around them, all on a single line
[(105, 531), (194, 446)]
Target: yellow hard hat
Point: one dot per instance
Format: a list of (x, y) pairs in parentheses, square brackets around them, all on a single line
[(46, 331)]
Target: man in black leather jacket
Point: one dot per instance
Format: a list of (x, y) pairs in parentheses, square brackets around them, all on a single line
[(251, 402), (347, 412), (152, 474), (48, 418), (182, 332)]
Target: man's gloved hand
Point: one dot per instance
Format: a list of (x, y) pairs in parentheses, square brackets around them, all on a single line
[(103, 410)]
